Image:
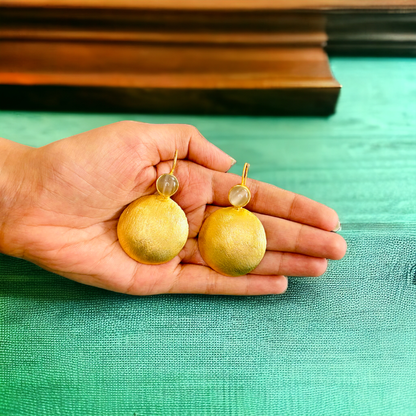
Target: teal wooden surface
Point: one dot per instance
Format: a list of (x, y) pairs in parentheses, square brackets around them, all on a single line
[(342, 344)]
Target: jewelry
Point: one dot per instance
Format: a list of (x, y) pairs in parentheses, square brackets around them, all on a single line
[(232, 240), (154, 229)]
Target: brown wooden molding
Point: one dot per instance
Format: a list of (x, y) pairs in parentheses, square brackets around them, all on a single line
[(219, 56), (222, 56), (236, 38), (211, 5), (159, 59)]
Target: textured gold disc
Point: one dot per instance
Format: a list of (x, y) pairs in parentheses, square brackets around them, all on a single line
[(232, 241), (153, 229)]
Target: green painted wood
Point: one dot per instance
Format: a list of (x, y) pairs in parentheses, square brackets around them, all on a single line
[(342, 344)]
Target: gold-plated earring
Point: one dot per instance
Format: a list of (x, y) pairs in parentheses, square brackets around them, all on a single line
[(154, 229), (232, 240)]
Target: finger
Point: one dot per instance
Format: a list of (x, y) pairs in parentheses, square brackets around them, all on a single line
[(201, 186), (200, 279), (290, 264), (191, 145), (273, 263), (196, 190), (289, 236), (282, 235), (271, 200)]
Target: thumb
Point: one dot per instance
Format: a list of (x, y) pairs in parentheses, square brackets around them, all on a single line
[(191, 145)]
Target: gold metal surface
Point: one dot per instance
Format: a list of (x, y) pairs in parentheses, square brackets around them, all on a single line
[(232, 241), (245, 174), (153, 229), (175, 160)]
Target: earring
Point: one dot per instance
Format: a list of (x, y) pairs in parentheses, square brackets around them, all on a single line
[(232, 240), (154, 229)]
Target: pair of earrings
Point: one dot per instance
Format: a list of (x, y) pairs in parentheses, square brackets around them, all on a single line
[(154, 229)]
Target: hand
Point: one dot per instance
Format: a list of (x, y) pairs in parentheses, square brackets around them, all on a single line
[(70, 194)]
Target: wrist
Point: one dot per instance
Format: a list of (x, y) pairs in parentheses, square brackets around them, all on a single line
[(15, 184)]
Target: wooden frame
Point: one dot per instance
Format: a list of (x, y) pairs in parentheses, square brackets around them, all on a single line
[(217, 57)]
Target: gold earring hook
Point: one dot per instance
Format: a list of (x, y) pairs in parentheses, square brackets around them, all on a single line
[(245, 173), (175, 159)]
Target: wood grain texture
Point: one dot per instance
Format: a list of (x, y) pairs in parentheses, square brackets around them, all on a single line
[(245, 38), (372, 33), (212, 4), (191, 52), (173, 66), (288, 101), (209, 62)]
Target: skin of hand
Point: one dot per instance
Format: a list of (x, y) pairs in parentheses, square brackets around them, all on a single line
[(60, 204)]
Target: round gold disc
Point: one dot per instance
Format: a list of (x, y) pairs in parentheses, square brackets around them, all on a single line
[(232, 241), (153, 229)]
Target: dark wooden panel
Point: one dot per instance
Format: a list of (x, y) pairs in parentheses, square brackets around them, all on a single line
[(372, 33), (271, 101)]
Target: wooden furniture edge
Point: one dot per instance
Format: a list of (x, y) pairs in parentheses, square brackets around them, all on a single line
[(219, 5)]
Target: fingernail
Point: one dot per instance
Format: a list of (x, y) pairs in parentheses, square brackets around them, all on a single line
[(337, 228), (233, 161)]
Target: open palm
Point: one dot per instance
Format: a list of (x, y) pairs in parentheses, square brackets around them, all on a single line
[(80, 185)]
